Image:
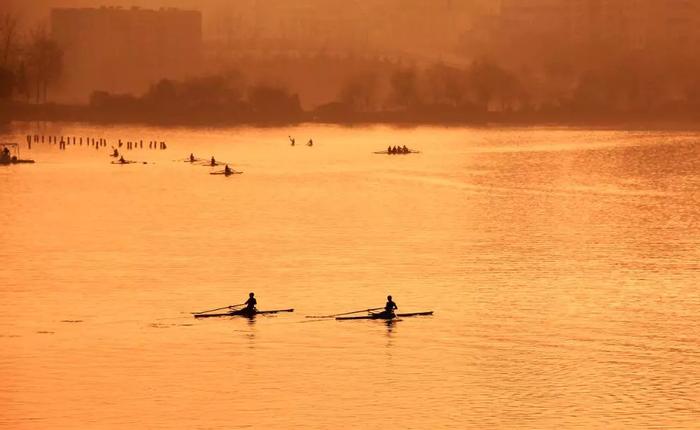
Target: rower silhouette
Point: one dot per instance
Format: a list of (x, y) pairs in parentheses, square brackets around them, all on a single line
[(310, 143), (228, 171), (192, 159), (213, 161), (250, 304), (389, 308), (292, 140)]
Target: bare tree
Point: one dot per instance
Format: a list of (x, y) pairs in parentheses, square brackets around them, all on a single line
[(45, 60), (8, 37)]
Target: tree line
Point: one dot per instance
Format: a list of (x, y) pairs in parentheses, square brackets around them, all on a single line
[(29, 63), (621, 87), (218, 98)]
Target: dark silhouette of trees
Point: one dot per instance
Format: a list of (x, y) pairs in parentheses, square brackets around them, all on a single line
[(404, 92), (8, 38), (273, 101), (489, 83), (7, 83), (445, 85), (45, 61), (359, 94), (8, 53)]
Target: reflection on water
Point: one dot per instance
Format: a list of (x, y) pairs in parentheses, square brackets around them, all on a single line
[(562, 266)]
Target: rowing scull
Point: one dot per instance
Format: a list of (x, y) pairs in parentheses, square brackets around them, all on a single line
[(384, 317), (243, 313)]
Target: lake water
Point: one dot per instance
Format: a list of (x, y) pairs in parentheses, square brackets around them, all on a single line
[(562, 266)]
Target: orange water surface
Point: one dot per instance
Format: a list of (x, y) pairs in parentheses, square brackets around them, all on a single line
[(562, 266)]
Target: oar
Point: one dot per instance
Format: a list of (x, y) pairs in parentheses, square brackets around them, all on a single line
[(346, 313), (217, 309)]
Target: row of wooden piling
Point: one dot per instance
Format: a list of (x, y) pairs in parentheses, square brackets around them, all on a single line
[(91, 141)]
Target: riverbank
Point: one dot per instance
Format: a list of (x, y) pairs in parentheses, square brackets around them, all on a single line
[(336, 113)]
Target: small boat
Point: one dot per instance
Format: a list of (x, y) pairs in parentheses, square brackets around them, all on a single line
[(6, 156), (243, 313), (410, 151), (210, 164), (233, 172), (129, 162), (383, 316)]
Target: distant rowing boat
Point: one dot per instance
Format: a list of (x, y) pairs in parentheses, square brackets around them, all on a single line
[(11, 161), (129, 162), (397, 153), (242, 313), (382, 316), (234, 172), (5, 155)]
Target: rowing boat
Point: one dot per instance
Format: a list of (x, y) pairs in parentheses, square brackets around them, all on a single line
[(382, 316), (243, 313), (226, 174), (6, 159), (13, 161), (397, 153)]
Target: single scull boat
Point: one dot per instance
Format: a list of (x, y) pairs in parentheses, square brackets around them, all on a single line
[(243, 313), (382, 316)]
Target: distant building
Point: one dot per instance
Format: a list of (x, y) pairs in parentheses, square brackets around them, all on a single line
[(526, 33), (124, 50)]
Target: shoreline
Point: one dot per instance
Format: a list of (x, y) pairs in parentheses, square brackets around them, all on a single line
[(21, 112)]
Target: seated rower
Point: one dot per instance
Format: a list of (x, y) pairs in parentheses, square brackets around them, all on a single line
[(192, 159), (227, 170), (388, 149), (250, 305), (406, 150), (310, 143), (122, 160), (213, 161), (389, 308), (115, 153)]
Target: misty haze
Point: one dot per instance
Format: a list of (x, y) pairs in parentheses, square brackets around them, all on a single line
[(376, 61), (349, 214)]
